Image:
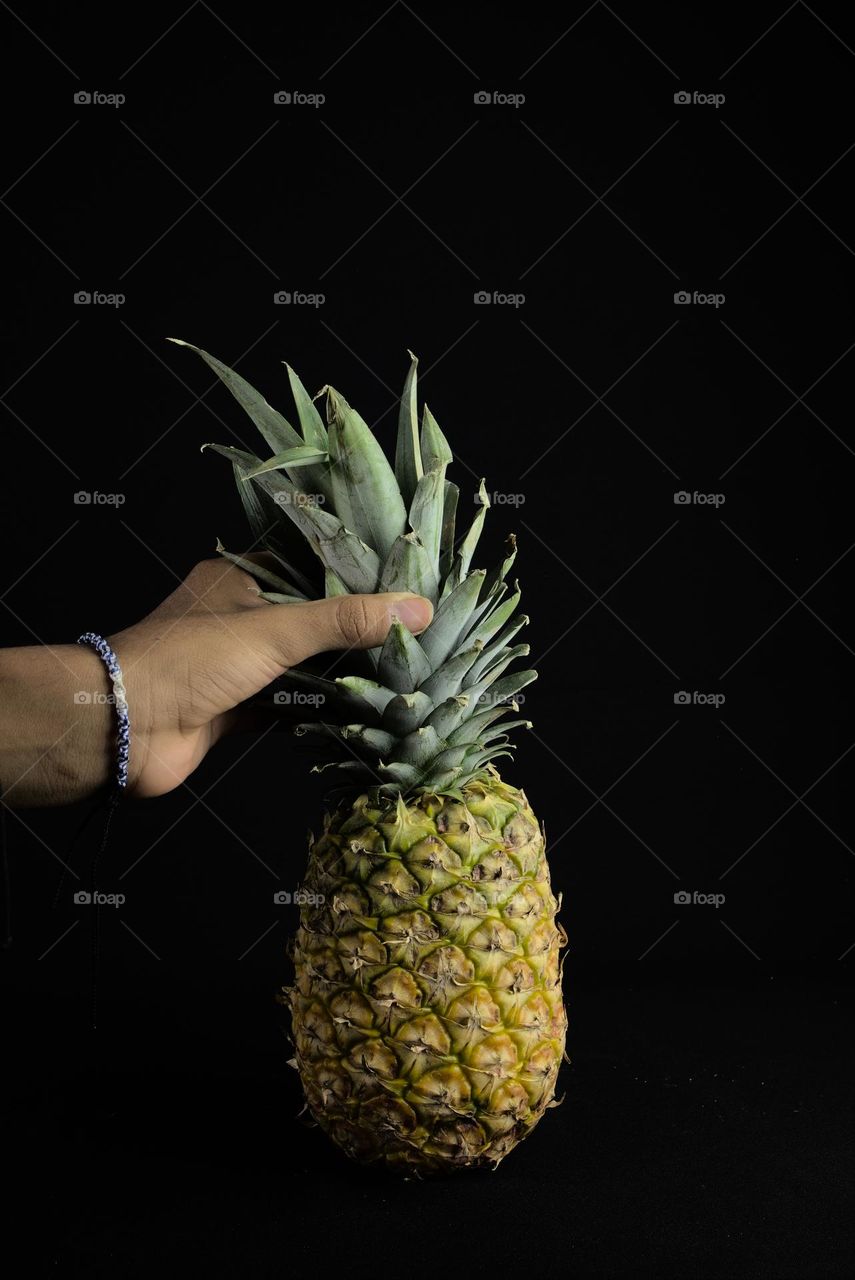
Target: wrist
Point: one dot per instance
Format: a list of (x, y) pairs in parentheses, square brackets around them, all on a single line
[(57, 739)]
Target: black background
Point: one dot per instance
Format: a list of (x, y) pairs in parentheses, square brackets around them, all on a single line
[(703, 1131)]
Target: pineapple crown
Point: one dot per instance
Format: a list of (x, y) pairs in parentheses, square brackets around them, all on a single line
[(422, 715)]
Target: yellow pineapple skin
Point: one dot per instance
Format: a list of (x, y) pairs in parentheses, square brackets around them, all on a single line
[(426, 1009)]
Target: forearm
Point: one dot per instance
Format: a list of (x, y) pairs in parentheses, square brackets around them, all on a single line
[(57, 725)]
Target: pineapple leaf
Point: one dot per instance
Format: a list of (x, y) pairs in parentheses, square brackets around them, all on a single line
[(475, 761), (340, 550), (406, 775), (366, 493), (308, 588), (494, 650), (448, 679), (450, 758), (311, 422), (408, 568), (254, 511), (406, 712), (239, 457), (435, 450), (473, 729), (337, 700), (489, 625), (277, 431), (355, 564), (450, 715), (260, 572), (446, 627), (470, 542), (426, 513), (403, 665), (449, 516), (333, 585), (376, 741), (369, 690), (499, 574), (418, 747), (507, 687), (276, 597), (302, 455), (408, 457)]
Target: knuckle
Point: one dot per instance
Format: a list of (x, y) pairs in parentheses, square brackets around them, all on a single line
[(203, 571), (353, 619)]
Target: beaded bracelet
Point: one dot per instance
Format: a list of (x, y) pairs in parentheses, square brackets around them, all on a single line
[(123, 735)]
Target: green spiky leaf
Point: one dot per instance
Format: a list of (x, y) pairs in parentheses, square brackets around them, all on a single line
[(408, 456), (366, 494)]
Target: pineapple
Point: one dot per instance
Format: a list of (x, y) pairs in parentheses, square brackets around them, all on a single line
[(426, 1008)]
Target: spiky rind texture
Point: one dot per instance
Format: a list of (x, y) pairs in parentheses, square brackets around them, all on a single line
[(426, 1008)]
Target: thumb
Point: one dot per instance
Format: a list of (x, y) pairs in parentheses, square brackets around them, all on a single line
[(297, 631)]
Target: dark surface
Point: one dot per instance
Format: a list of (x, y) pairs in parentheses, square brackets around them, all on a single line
[(709, 1095), (704, 1135)]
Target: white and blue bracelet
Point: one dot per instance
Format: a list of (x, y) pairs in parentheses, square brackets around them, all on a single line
[(123, 736)]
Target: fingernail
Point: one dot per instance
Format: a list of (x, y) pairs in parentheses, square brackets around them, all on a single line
[(414, 611)]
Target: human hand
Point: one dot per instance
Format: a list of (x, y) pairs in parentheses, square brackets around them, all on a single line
[(188, 668)]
